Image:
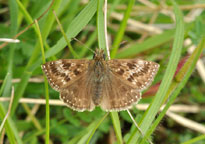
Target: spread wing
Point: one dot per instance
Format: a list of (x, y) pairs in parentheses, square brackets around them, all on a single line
[(64, 72), (77, 95), (117, 94), (135, 72), (124, 82), (71, 79)]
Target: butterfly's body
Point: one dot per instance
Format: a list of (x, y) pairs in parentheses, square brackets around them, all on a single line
[(110, 84), (97, 71)]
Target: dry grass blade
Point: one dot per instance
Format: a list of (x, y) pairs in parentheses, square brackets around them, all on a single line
[(56, 102), (9, 40), (138, 24), (186, 122)]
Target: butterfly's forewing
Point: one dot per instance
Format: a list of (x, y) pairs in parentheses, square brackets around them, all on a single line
[(117, 94), (135, 72), (70, 78), (63, 72)]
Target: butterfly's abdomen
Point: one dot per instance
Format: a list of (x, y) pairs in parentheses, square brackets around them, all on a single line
[(98, 79), (97, 93)]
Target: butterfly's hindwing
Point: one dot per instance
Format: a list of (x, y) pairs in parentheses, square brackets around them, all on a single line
[(118, 95), (78, 94)]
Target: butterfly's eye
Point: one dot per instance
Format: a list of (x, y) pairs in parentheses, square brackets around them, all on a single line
[(94, 55), (104, 56)]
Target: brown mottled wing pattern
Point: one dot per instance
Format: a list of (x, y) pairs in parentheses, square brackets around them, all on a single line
[(117, 94), (78, 95), (67, 76), (124, 82), (135, 72)]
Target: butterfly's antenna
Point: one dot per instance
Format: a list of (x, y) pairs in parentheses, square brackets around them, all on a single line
[(105, 29), (83, 44), (139, 129)]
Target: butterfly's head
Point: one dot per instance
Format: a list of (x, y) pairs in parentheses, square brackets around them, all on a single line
[(99, 55)]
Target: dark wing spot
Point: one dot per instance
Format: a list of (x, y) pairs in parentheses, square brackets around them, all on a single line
[(66, 65), (131, 66), (129, 79), (54, 69), (120, 72), (145, 69), (57, 73), (140, 73), (62, 75), (76, 72), (67, 78), (135, 74), (78, 65)]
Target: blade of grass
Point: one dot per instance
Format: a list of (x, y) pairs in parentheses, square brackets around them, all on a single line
[(178, 83), (100, 25), (75, 27), (42, 131), (66, 39), (25, 13), (2, 112), (122, 28), (9, 108), (154, 107), (80, 21), (116, 124), (195, 140), (95, 128), (151, 42), (11, 129), (29, 67), (46, 86), (13, 30)]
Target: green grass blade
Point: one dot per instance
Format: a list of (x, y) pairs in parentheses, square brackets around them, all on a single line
[(116, 124), (29, 67), (154, 107), (95, 128), (10, 127), (65, 37), (122, 28), (11, 130), (46, 86), (80, 21), (150, 43), (195, 140), (100, 25), (178, 83), (7, 125)]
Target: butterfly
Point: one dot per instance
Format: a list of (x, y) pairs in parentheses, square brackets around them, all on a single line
[(114, 85)]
